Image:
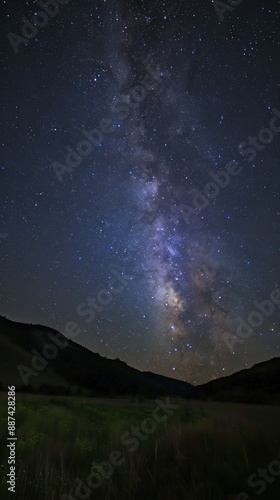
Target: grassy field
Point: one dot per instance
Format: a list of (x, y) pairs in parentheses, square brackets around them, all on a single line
[(202, 451)]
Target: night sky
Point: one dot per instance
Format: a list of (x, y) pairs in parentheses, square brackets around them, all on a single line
[(176, 91)]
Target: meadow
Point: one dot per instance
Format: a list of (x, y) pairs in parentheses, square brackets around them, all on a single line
[(202, 451)]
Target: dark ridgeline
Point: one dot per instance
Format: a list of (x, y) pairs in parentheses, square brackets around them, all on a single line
[(258, 384), (76, 370)]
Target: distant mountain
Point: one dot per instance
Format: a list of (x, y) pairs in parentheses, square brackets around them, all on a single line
[(77, 370), (258, 384), (74, 369)]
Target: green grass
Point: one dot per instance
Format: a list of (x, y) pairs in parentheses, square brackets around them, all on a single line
[(203, 451)]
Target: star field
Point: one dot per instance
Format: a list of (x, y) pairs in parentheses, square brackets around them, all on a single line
[(175, 95)]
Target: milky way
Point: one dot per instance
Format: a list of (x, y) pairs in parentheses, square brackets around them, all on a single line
[(182, 91)]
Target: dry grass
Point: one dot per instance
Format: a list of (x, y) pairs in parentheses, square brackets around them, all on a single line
[(204, 451)]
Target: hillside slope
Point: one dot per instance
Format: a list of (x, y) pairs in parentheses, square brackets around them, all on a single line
[(74, 368), (258, 384)]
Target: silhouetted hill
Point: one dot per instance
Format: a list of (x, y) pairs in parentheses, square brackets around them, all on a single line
[(258, 384), (171, 385), (74, 369)]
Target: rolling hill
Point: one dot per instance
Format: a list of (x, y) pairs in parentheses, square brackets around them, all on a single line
[(74, 369), (258, 384)]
